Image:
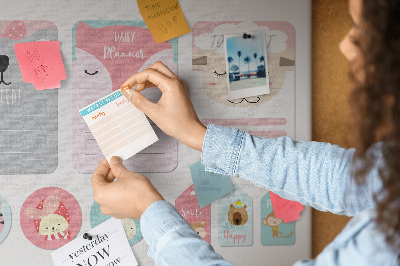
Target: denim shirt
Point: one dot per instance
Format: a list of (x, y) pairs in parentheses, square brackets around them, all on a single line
[(312, 173)]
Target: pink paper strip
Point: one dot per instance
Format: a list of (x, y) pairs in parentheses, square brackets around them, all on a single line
[(284, 209)]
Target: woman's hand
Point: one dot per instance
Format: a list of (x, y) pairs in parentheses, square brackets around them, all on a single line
[(127, 197), (174, 113)]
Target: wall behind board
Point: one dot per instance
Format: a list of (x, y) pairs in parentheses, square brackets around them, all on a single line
[(330, 108)]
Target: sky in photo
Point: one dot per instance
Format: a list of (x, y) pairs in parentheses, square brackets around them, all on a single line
[(256, 44)]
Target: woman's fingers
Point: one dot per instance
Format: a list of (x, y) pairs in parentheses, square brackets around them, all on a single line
[(110, 177), (142, 86), (141, 102), (100, 174), (149, 75), (160, 67)]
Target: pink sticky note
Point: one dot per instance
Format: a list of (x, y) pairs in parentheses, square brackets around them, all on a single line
[(41, 63), (284, 209)]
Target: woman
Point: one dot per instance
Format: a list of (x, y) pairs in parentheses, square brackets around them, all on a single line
[(362, 182)]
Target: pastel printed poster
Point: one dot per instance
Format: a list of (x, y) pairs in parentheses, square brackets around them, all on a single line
[(50, 217), (105, 54), (5, 219), (29, 118), (272, 115), (131, 226), (273, 230), (235, 219), (199, 218), (208, 57)]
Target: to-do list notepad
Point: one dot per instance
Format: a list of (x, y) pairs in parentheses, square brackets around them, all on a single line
[(118, 126)]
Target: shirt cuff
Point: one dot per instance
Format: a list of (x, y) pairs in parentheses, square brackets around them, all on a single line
[(159, 218), (222, 148)]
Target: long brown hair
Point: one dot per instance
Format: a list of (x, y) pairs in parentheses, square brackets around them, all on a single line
[(375, 103)]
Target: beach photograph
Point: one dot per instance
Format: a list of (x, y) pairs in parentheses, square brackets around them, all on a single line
[(246, 63)]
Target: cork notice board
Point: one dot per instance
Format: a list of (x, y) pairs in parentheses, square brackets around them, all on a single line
[(331, 89), (68, 155)]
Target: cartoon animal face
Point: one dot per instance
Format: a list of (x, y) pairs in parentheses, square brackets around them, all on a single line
[(104, 58), (19, 101), (214, 79), (52, 224), (129, 227), (50, 216), (238, 215), (271, 220), (208, 58), (123, 50), (199, 228)]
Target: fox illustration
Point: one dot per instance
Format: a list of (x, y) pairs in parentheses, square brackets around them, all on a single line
[(104, 57)]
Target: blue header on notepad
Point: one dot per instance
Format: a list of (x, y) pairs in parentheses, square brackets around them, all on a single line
[(101, 103)]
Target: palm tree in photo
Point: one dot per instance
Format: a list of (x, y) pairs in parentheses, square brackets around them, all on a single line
[(230, 60), (247, 60), (262, 59), (239, 53), (255, 58)]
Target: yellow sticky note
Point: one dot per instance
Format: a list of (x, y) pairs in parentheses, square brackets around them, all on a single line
[(164, 18)]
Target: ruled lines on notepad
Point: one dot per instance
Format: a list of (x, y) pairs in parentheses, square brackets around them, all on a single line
[(119, 129)]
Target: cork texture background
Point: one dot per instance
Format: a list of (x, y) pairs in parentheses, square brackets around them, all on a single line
[(330, 103)]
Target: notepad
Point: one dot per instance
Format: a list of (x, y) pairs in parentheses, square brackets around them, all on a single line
[(41, 63), (164, 18), (118, 126)]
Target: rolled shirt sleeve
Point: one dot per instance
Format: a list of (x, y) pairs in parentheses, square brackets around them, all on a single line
[(172, 241), (313, 173)]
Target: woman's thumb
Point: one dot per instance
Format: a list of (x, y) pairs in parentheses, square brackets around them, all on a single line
[(138, 100), (117, 167)]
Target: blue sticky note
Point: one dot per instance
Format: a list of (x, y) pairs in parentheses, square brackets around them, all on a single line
[(209, 186)]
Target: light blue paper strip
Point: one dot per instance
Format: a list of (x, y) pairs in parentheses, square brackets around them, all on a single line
[(93, 107), (209, 186)]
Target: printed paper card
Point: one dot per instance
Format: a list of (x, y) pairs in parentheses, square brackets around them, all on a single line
[(235, 219), (198, 218), (118, 126), (5, 219), (108, 246), (105, 53), (284, 209), (131, 226), (274, 231), (50, 217), (41, 63), (209, 186), (29, 117), (164, 19)]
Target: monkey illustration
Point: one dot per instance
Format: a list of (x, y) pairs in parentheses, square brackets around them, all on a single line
[(274, 222), (199, 228)]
